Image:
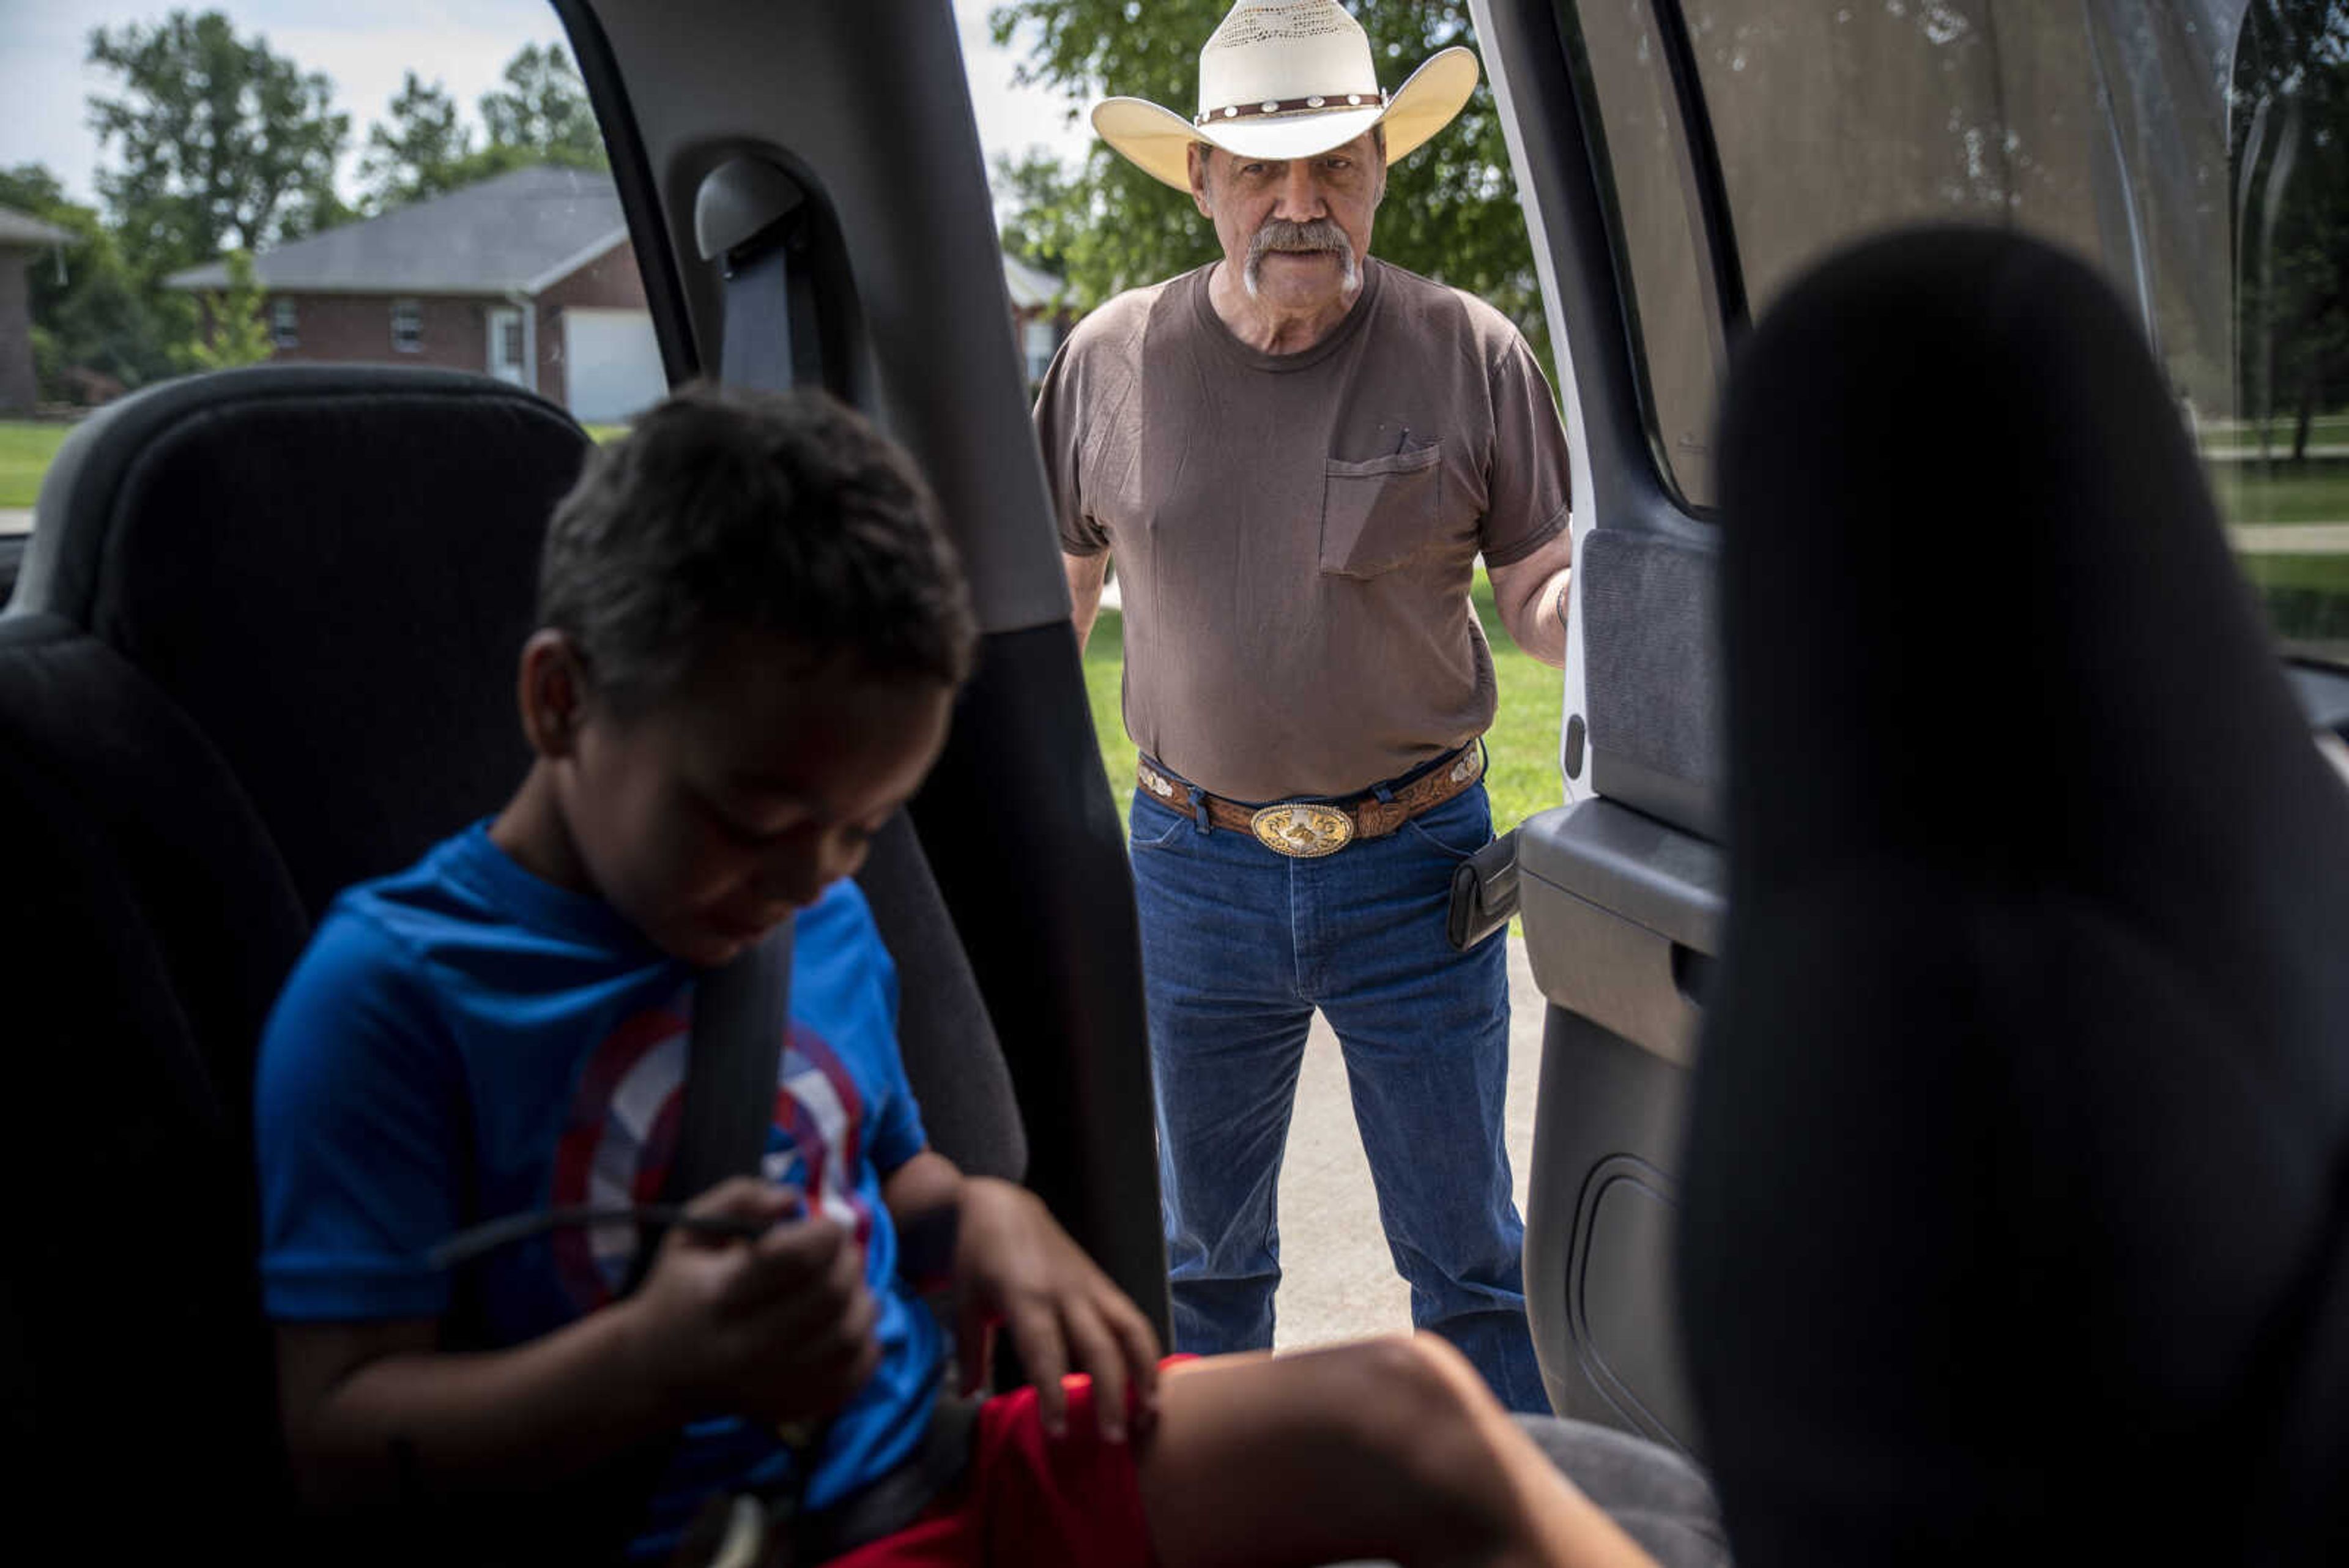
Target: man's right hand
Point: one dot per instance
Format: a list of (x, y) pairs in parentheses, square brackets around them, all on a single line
[(779, 1328)]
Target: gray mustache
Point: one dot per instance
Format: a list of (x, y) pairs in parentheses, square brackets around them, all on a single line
[(1280, 235)]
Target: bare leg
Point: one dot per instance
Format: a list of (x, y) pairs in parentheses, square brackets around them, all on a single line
[(1391, 1448)]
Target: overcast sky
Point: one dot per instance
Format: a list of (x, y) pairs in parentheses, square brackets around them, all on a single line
[(366, 46)]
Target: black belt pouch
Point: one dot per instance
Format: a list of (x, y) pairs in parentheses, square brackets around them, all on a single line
[(1484, 892)]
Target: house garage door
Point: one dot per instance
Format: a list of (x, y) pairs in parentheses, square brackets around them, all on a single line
[(612, 365)]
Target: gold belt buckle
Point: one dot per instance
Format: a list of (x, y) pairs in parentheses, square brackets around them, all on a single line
[(1302, 831)]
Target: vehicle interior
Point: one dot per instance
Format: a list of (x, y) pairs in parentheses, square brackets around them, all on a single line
[(1999, 631)]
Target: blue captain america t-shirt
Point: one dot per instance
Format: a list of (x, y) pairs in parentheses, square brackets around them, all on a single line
[(466, 1000)]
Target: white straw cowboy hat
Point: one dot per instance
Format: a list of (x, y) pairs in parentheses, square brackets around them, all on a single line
[(1288, 78)]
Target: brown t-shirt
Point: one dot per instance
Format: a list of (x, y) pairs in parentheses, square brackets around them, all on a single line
[(1295, 533)]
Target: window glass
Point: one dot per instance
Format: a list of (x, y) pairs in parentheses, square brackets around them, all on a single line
[(1659, 254), (2197, 150), (1040, 338), (383, 182), (2282, 465)]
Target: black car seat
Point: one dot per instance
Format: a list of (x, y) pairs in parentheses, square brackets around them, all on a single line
[(262, 647), (2017, 1217)]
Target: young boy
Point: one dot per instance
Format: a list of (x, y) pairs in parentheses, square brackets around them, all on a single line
[(751, 631)]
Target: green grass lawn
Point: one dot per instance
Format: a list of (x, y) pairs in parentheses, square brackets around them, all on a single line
[(1524, 778), (2322, 573), (28, 445), (26, 448), (2316, 490), (2306, 597)]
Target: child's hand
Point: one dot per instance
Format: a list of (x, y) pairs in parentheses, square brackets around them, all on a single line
[(780, 1328), (1014, 1265)]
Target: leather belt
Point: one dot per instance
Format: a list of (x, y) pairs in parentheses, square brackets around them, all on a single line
[(1307, 830)]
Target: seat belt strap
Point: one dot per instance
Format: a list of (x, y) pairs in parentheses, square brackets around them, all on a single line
[(741, 1010), (757, 349)]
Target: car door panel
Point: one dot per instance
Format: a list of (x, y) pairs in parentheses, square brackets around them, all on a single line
[(1622, 914), (1673, 156), (1653, 681)]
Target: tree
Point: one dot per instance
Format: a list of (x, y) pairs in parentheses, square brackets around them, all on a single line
[(540, 115), (542, 112), (1451, 209), (220, 142), (1044, 205), (88, 309), (420, 152), (235, 332), (2291, 128)]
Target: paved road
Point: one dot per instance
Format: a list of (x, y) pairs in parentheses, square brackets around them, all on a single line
[(16, 519), (1338, 1282)]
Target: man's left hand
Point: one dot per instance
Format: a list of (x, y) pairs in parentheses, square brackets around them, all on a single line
[(1014, 1266)]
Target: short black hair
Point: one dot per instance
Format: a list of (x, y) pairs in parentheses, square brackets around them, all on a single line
[(724, 510)]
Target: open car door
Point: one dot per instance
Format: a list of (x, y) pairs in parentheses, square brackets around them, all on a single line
[(1682, 162)]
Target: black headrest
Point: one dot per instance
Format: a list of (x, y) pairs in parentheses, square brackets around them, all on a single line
[(331, 569), (2019, 1163)]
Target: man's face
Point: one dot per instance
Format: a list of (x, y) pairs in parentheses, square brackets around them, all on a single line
[(1294, 232), (740, 797)]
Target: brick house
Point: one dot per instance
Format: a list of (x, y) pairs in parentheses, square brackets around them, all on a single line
[(528, 276), (1037, 315), (24, 239)]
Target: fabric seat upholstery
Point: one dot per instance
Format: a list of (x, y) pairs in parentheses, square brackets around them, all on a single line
[(329, 570), (2018, 1191), (261, 646)]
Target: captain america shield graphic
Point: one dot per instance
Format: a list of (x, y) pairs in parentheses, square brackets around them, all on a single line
[(621, 1132)]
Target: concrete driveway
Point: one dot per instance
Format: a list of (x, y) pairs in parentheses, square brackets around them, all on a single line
[(1337, 1280)]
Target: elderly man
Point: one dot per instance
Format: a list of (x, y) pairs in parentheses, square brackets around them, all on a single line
[(1295, 455)]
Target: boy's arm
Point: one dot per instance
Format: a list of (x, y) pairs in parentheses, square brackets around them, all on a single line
[(1014, 1265), (370, 1408), (780, 1329), (916, 1193)]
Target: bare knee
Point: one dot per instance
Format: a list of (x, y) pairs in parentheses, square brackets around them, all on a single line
[(1430, 1421)]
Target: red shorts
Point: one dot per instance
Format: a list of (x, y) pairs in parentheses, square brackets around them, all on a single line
[(1029, 1499)]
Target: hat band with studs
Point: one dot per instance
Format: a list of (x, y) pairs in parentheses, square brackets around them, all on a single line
[(1373, 99)]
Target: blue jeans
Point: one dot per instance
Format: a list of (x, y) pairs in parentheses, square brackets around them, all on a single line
[(1239, 945)]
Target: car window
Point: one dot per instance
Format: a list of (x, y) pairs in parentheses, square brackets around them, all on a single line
[(354, 186), (2280, 457), (1641, 152), (2191, 148), (414, 190)]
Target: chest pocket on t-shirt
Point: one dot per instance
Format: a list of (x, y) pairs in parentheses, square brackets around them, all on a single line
[(1376, 515)]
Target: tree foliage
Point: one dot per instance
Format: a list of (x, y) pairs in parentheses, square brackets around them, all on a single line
[(88, 306), (539, 115), (1451, 209), (235, 332), (543, 111), (217, 141), (413, 154)]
